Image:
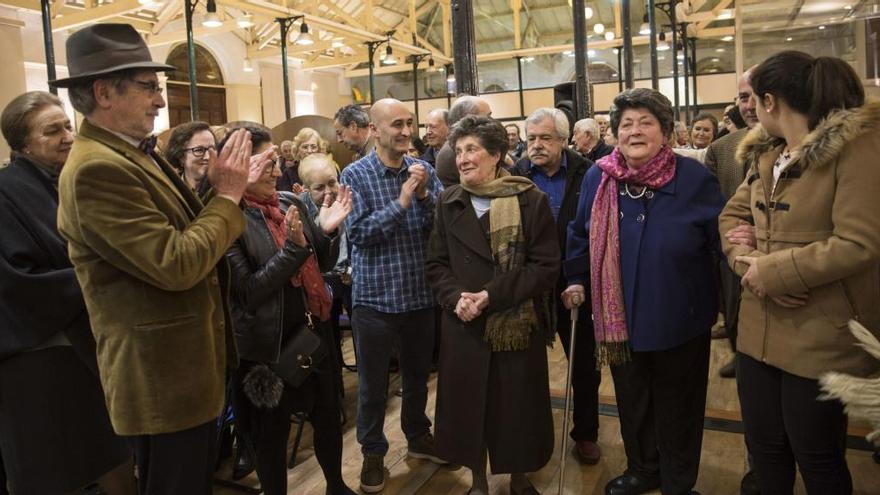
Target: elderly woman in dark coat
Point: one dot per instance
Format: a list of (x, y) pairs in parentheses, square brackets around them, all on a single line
[(55, 434), (493, 261), (645, 240)]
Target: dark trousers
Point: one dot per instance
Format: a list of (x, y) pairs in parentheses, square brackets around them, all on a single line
[(376, 335), (661, 398), (179, 463), (270, 429), (787, 427), (731, 292), (585, 378), (3, 489)]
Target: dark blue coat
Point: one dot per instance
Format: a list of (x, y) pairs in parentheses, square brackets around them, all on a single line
[(668, 250)]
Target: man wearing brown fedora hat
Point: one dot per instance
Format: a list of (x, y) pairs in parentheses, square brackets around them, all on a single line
[(149, 255)]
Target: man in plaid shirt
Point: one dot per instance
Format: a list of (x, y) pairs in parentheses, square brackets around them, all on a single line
[(394, 197)]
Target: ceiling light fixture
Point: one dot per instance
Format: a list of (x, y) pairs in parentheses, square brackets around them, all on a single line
[(389, 59), (528, 59), (246, 21), (599, 28), (211, 20), (248, 65), (305, 37), (609, 36), (788, 39), (591, 53), (727, 38), (725, 14), (821, 28)]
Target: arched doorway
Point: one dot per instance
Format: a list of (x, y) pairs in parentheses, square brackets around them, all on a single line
[(209, 84)]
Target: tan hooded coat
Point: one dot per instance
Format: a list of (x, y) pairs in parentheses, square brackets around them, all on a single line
[(818, 232)]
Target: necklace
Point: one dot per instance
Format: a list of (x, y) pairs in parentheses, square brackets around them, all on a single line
[(634, 196)]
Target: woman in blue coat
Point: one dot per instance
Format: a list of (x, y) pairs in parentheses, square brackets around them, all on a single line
[(644, 241)]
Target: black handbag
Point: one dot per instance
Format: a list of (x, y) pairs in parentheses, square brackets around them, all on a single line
[(300, 353)]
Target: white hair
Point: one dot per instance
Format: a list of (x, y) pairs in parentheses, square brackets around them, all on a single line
[(590, 126), (560, 121)]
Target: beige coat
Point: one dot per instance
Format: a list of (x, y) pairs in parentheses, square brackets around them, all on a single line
[(150, 258), (818, 232)]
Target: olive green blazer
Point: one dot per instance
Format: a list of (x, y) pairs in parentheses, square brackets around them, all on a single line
[(150, 258)]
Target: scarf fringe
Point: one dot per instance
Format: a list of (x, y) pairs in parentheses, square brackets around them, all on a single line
[(612, 354)]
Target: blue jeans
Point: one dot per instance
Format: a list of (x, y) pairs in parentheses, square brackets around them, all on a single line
[(376, 334)]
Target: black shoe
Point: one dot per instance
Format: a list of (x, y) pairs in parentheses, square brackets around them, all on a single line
[(373, 473), (628, 484), (245, 460), (749, 485), (728, 370)]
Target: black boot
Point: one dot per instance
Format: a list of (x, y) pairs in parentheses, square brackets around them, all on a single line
[(245, 460)]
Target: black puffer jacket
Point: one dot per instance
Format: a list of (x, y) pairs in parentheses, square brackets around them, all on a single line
[(260, 272)]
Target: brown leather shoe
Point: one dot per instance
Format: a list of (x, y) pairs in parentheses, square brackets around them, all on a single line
[(587, 452)]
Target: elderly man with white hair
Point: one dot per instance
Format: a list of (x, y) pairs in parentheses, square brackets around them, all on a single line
[(558, 171), (587, 140)]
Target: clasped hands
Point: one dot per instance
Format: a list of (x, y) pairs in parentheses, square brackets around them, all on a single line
[(415, 185), (744, 235), (471, 305)]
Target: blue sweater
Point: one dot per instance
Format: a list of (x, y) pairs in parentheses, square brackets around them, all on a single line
[(669, 246)]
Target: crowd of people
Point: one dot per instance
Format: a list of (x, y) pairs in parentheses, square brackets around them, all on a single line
[(205, 281)]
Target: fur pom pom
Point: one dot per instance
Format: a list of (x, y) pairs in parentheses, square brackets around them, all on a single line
[(263, 387)]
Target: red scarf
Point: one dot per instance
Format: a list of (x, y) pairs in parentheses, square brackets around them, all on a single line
[(606, 283), (309, 275)]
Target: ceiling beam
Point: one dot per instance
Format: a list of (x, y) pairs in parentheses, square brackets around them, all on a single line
[(256, 53), (198, 31), (515, 7), (97, 14)]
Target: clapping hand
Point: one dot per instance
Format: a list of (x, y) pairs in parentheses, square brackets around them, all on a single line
[(294, 227), (229, 172), (333, 213), (260, 162), (421, 176)]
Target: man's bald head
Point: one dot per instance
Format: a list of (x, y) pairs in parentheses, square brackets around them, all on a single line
[(391, 127), (468, 105), (744, 99)]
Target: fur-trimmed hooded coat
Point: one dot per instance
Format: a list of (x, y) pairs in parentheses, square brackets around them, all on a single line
[(818, 232)]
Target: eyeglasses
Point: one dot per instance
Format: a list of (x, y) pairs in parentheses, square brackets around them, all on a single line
[(151, 87), (199, 151)]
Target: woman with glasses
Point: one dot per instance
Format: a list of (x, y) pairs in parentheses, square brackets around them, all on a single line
[(189, 151), (276, 281), (306, 142)]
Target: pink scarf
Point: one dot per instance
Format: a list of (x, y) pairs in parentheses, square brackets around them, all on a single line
[(606, 284), (309, 275)]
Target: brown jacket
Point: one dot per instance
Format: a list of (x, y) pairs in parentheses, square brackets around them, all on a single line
[(818, 232), (485, 399), (721, 160), (150, 258)]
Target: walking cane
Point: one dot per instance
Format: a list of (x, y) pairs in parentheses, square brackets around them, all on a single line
[(575, 302)]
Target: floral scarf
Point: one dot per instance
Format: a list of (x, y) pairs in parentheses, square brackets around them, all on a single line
[(309, 275), (606, 284)]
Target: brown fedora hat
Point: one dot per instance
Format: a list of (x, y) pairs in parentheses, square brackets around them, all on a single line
[(100, 49)]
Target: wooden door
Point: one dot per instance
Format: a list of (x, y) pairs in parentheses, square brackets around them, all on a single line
[(212, 104)]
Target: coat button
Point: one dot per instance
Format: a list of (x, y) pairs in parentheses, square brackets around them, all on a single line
[(222, 324), (640, 217), (467, 259), (215, 280), (649, 194)]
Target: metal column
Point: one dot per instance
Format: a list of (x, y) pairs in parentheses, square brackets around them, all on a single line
[(619, 70), (627, 44), (582, 79), (672, 21), (693, 49), (685, 64), (464, 47), (189, 6), (652, 43), (285, 23), (522, 101), (48, 44)]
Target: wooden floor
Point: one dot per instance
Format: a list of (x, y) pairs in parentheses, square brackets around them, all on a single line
[(722, 466)]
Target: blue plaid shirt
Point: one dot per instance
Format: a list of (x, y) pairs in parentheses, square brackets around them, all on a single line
[(388, 243)]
